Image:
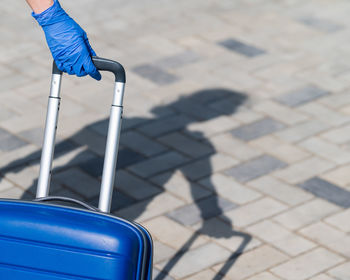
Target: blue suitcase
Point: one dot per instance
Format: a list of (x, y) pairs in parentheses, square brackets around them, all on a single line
[(44, 241)]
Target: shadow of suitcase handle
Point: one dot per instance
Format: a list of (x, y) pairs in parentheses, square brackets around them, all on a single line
[(66, 199)]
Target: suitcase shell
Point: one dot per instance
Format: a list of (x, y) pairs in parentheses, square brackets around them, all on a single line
[(43, 241), (40, 241)]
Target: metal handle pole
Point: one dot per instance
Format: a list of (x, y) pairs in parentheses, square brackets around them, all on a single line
[(112, 145), (49, 136)]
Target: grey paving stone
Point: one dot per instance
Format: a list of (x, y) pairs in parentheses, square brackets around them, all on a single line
[(230, 104), (155, 74), (127, 157), (241, 48), (301, 96), (141, 143), (65, 146), (134, 187), (195, 109), (81, 183), (321, 24), (158, 164), (165, 125), (257, 129), (119, 201), (11, 143), (178, 60), (34, 136), (194, 261), (157, 274), (255, 168), (177, 184), (327, 191), (94, 164), (186, 145), (203, 209), (6, 114), (4, 133)]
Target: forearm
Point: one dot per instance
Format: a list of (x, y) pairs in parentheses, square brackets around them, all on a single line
[(39, 6)]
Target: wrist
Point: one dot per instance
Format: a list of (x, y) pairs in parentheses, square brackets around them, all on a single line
[(52, 15), (41, 5)]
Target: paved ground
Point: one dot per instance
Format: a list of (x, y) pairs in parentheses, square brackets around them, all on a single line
[(235, 150)]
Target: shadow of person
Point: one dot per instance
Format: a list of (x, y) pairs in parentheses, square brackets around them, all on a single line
[(181, 116)]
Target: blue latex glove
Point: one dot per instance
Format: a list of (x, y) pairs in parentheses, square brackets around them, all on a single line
[(68, 42)]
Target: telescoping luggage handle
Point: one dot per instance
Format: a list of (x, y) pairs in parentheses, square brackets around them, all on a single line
[(112, 144)]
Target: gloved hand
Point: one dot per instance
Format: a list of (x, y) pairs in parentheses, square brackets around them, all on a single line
[(68, 42)]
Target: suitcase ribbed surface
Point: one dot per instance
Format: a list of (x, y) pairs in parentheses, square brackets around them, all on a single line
[(41, 241)]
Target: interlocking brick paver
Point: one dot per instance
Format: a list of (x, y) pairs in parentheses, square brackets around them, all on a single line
[(280, 149), (134, 187), (307, 265), (76, 180), (280, 190), (204, 209), (158, 164), (165, 125), (227, 236), (11, 143), (322, 233), (280, 112), (5, 184), (155, 74), (301, 96), (186, 145), (301, 131), (305, 214), (339, 176), (206, 166), (322, 277), (321, 24), (341, 272), (254, 261), (162, 252), (150, 208), (255, 168), (212, 127), (226, 143), (241, 48), (172, 233), (340, 220), (230, 189), (326, 150), (178, 60), (288, 242), (255, 211), (157, 273), (204, 275), (327, 191), (257, 129), (324, 114), (141, 144), (264, 276), (337, 135), (16, 193), (306, 169), (34, 136), (189, 264), (180, 186)]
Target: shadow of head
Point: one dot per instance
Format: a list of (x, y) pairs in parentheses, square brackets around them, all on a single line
[(206, 104)]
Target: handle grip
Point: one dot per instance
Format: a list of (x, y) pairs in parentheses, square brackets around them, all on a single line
[(65, 199), (102, 64)]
